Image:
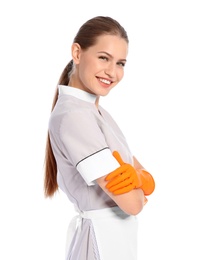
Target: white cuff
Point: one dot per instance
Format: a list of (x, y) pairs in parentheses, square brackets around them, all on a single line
[(97, 165)]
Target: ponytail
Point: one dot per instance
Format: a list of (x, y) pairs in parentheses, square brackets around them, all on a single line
[(50, 175)]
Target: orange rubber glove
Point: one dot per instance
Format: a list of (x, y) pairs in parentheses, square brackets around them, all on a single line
[(126, 178)]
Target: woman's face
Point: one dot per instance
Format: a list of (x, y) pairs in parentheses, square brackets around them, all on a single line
[(100, 67)]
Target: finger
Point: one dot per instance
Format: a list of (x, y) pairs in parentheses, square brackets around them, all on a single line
[(118, 179), (118, 157), (120, 185), (116, 172), (124, 190)]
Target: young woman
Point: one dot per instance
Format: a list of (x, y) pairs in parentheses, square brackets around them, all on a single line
[(87, 155)]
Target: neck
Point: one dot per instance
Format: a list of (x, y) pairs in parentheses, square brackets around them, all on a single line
[(97, 101)]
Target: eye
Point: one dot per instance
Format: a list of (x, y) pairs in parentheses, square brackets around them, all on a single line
[(103, 58), (122, 64)]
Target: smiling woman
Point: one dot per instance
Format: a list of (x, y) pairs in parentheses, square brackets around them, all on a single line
[(101, 66), (87, 155)]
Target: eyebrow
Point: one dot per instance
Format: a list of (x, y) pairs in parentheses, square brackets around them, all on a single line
[(104, 52)]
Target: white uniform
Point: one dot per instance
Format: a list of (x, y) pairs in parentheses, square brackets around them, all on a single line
[(83, 140)]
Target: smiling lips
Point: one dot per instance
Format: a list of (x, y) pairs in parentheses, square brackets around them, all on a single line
[(105, 81)]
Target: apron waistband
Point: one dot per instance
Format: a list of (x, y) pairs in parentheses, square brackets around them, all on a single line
[(100, 213)]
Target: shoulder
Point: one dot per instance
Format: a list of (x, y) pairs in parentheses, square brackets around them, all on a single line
[(72, 113)]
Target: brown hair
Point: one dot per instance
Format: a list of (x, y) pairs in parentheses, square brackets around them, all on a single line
[(85, 37)]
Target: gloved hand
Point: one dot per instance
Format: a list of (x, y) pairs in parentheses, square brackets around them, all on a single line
[(126, 178)]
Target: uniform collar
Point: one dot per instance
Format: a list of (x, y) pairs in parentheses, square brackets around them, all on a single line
[(76, 92)]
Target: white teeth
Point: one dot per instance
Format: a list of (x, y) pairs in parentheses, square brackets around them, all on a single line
[(105, 81)]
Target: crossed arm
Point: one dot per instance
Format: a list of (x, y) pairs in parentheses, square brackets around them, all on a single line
[(128, 185)]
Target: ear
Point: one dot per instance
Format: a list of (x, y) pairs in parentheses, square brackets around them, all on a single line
[(76, 52)]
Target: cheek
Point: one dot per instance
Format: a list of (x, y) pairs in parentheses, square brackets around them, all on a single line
[(120, 74), (86, 65), (89, 70), (83, 68)]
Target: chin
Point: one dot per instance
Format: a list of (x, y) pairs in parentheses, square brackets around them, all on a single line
[(104, 93)]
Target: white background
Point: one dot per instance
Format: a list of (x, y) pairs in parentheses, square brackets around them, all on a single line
[(155, 105)]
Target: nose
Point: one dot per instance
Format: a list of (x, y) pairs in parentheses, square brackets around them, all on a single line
[(110, 70)]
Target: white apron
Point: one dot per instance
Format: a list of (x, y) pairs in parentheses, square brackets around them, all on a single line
[(115, 232)]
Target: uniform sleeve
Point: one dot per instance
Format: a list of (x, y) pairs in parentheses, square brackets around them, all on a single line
[(83, 143)]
